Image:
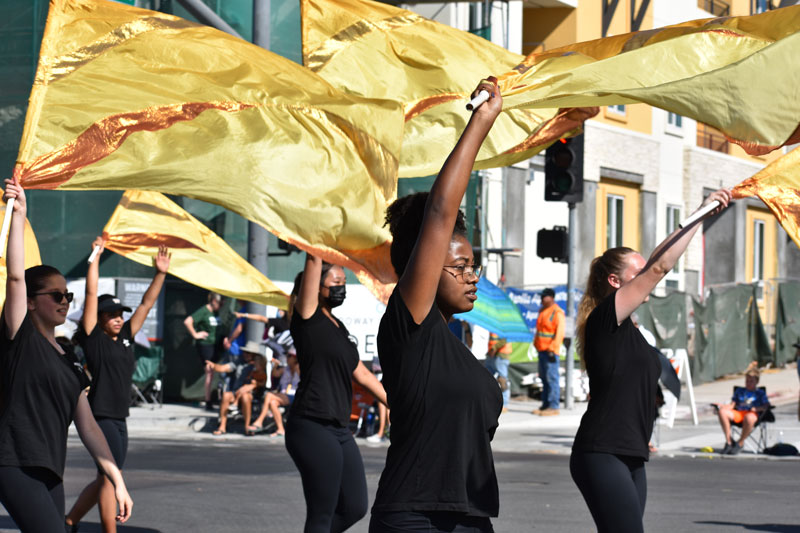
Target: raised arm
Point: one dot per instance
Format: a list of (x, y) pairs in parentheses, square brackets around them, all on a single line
[(308, 298), (89, 319), (367, 379), (253, 317), (662, 260), (420, 279), (161, 262), (16, 305)]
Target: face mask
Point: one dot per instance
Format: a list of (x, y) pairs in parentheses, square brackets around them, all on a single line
[(336, 296)]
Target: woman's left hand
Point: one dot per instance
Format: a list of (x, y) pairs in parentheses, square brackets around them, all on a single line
[(492, 107), (124, 502)]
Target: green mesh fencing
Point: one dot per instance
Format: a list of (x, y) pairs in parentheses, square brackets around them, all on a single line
[(666, 319), (787, 325), (729, 334)]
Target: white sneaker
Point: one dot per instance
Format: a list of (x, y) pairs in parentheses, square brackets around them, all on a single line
[(375, 439)]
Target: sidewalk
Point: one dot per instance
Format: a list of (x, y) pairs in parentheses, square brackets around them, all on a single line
[(521, 431)]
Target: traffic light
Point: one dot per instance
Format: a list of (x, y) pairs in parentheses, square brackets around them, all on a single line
[(553, 244), (563, 171)]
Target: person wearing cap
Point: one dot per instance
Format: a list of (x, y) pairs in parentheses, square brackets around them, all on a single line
[(245, 373), (283, 397), (548, 339), (107, 343)]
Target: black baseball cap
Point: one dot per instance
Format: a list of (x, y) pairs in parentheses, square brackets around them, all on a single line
[(108, 303), (548, 292)]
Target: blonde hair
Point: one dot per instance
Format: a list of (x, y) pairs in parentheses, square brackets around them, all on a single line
[(752, 370), (597, 288)]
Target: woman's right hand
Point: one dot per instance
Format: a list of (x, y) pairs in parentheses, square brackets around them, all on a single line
[(13, 190), (124, 502), (99, 242), (492, 107), (723, 196), (201, 335)]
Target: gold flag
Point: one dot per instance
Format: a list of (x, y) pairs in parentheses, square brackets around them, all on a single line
[(737, 74), (778, 186), (375, 50), (32, 257), (126, 98), (143, 221)]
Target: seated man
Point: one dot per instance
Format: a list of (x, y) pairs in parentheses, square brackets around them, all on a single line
[(283, 397), (245, 374), (746, 405)]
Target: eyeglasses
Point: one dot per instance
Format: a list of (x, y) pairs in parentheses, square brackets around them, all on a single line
[(56, 296), (462, 271)]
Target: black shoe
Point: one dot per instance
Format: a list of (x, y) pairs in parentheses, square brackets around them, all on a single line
[(726, 449), (735, 449)]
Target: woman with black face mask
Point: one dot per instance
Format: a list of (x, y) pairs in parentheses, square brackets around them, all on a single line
[(317, 436)]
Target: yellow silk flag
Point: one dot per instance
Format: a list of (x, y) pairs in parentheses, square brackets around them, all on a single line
[(145, 220), (380, 51), (32, 256), (778, 186), (126, 98), (737, 74)]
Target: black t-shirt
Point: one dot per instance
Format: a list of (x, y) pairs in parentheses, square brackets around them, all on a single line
[(623, 376), (39, 390), (327, 360), (111, 364), (445, 407)]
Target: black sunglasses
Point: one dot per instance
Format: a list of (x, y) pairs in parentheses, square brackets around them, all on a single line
[(57, 296)]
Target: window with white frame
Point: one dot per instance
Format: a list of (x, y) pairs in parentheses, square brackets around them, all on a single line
[(617, 109), (674, 124), (758, 250), (614, 222), (673, 222)]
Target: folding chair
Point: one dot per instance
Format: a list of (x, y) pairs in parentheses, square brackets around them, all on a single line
[(758, 440), (362, 410), (146, 387)]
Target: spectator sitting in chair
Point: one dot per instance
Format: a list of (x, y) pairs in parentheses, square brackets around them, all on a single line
[(746, 405), (283, 397), (245, 375)]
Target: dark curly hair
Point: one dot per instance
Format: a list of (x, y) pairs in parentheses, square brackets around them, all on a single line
[(404, 218)]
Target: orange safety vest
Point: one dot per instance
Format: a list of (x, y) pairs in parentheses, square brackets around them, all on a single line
[(505, 348), (549, 330)]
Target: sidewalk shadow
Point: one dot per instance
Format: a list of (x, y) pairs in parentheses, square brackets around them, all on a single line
[(88, 527), (773, 528)]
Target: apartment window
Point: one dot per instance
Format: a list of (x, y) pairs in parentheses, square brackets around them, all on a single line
[(719, 8), (759, 6), (617, 109), (614, 223), (675, 120), (673, 221), (758, 250)]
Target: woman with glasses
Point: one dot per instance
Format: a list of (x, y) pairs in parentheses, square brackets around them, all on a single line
[(107, 342), (41, 393), (439, 473)]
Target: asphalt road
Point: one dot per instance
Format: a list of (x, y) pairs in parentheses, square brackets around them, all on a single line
[(251, 485)]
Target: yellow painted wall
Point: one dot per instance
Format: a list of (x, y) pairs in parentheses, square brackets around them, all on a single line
[(638, 117), (554, 27), (630, 227)]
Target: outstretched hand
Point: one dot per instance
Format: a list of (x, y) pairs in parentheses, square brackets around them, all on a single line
[(15, 191), (723, 196), (492, 107), (161, 260), (99, 242)]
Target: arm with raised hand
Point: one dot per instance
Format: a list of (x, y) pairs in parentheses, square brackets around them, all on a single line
[(308, 297), (662, 260), (161, 262), (16, 305), (89, 319), (420, 280)]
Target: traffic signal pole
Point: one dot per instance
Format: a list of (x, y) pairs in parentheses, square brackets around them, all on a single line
[(569, 363)]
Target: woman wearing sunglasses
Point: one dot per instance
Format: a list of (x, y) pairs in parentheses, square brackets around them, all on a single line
[(439, 473), (107, 342), (41, 393)]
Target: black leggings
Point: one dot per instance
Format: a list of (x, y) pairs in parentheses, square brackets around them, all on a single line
[(33, 497), (614, 487), (428, 522), (116, 432), (334, 483)]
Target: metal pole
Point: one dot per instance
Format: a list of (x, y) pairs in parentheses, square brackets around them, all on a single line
[(258, 240), (206, 15), (569, 395)]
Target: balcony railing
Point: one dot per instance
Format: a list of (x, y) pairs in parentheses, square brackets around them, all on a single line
[(717, 8), (712, 140)]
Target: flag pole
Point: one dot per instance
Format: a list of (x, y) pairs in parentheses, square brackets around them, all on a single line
[(482, 97), (700, 213), (6, 224), (93, 256)]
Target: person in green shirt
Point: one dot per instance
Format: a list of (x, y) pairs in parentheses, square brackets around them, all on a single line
[(202, 326)]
